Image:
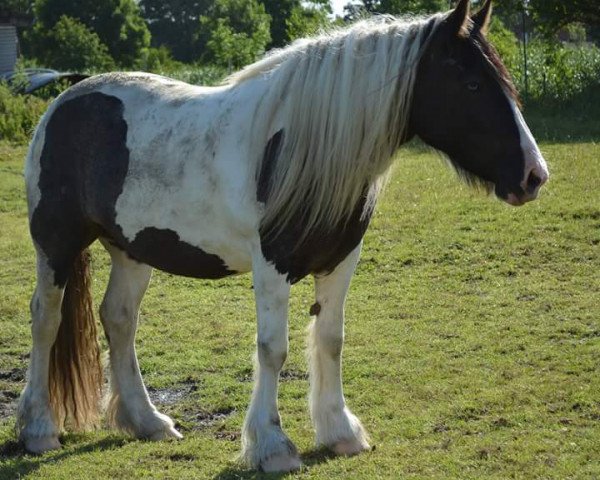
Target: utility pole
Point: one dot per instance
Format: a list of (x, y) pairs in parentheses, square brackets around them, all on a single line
[(524, 32)]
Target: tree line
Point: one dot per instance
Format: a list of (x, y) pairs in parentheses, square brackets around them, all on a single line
[(147, 34)]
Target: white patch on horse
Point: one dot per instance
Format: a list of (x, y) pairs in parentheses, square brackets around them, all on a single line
[(32, 164), (186, 172), (534, 160)]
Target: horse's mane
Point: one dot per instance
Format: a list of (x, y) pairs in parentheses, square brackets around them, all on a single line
[(342, 102)]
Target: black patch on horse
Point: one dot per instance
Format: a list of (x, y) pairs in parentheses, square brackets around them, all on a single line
[(163, 249), (84, 157), (270, 156), (320, 251)]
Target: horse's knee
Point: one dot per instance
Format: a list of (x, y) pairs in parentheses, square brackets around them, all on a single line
[(332, 343), (45, 315), (272, 354), (117, 317), (328, 335)]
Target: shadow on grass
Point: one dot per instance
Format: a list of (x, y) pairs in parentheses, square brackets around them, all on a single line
[(15, 462), (310, 458)]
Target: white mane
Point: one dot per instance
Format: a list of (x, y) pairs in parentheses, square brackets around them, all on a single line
[(342, 100)]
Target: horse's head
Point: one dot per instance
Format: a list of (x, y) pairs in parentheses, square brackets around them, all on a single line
[(465, 105)]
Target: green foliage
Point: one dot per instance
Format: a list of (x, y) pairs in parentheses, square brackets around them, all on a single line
[(117, 23), (551, 15), (558, 73), (306, 20), (506, 43), (175, 24), (16, 7), (157, 60), (70, 45), (394, 7), (237, 32), (207, 75), (18, 115), (292, 17)]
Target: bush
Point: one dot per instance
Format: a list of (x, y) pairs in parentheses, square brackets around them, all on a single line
[(196, 75), (19, 114), (558, 73), (70, 45), (506, 43), (237, 32), (157, 60)]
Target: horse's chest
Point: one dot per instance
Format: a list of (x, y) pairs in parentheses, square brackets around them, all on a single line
[(321, 250)]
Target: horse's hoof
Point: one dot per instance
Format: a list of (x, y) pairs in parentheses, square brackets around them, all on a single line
[(39, 445), (347, 448), (165, 434), (281, 463)]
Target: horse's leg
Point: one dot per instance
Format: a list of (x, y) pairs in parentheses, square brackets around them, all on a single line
[(264, 444), (35, 419), (129, 408), (336, 427)]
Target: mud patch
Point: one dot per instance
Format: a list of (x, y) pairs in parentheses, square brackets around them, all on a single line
[(173, 395), (8, 403), (228, 435), (11, 448), (14, 375), (203, 419), (284, 376), (288, 375)]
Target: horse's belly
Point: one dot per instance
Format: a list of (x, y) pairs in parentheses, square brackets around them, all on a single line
[(163, 249)]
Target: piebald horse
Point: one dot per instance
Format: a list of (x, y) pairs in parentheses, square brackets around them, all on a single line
[(276, 172)]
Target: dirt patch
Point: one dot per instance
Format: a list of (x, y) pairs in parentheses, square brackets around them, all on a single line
[(8, 403), (228, 435), (173, 395), (203, 419), (14, 375), (284, 376), (11, 448)]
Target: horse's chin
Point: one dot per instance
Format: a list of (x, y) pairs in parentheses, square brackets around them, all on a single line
[(515, 199)]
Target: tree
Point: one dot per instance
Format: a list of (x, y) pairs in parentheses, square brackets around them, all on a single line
[(15, 7), (307, 19), (70, 45), (236, 32), (355, 10), (175, 24), (282, 11), (552, 15), (117, 23)]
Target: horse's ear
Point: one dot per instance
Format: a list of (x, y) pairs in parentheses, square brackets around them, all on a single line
[(482, 18), (458, 20)]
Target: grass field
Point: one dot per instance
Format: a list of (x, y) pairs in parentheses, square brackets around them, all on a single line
[(472, 341)]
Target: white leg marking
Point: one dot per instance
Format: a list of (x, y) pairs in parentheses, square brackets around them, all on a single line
[(336, 427), (264, 444), (35, 421), (129, 407)]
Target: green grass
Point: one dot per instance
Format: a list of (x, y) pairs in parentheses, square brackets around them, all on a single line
[(472, 341)]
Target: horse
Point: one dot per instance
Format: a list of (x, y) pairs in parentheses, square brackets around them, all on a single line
[(275, 172)]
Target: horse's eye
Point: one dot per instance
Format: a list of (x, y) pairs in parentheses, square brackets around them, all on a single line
[(473, 86)]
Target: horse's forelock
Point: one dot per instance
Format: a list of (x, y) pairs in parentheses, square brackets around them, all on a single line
[(496, 67)]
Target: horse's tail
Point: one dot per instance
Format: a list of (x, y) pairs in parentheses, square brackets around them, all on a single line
[(75, 373)]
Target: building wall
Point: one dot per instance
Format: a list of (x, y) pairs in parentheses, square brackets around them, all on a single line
[(8, 47)]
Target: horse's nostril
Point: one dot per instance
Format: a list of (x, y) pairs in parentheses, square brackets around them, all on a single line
[(533, 182)]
